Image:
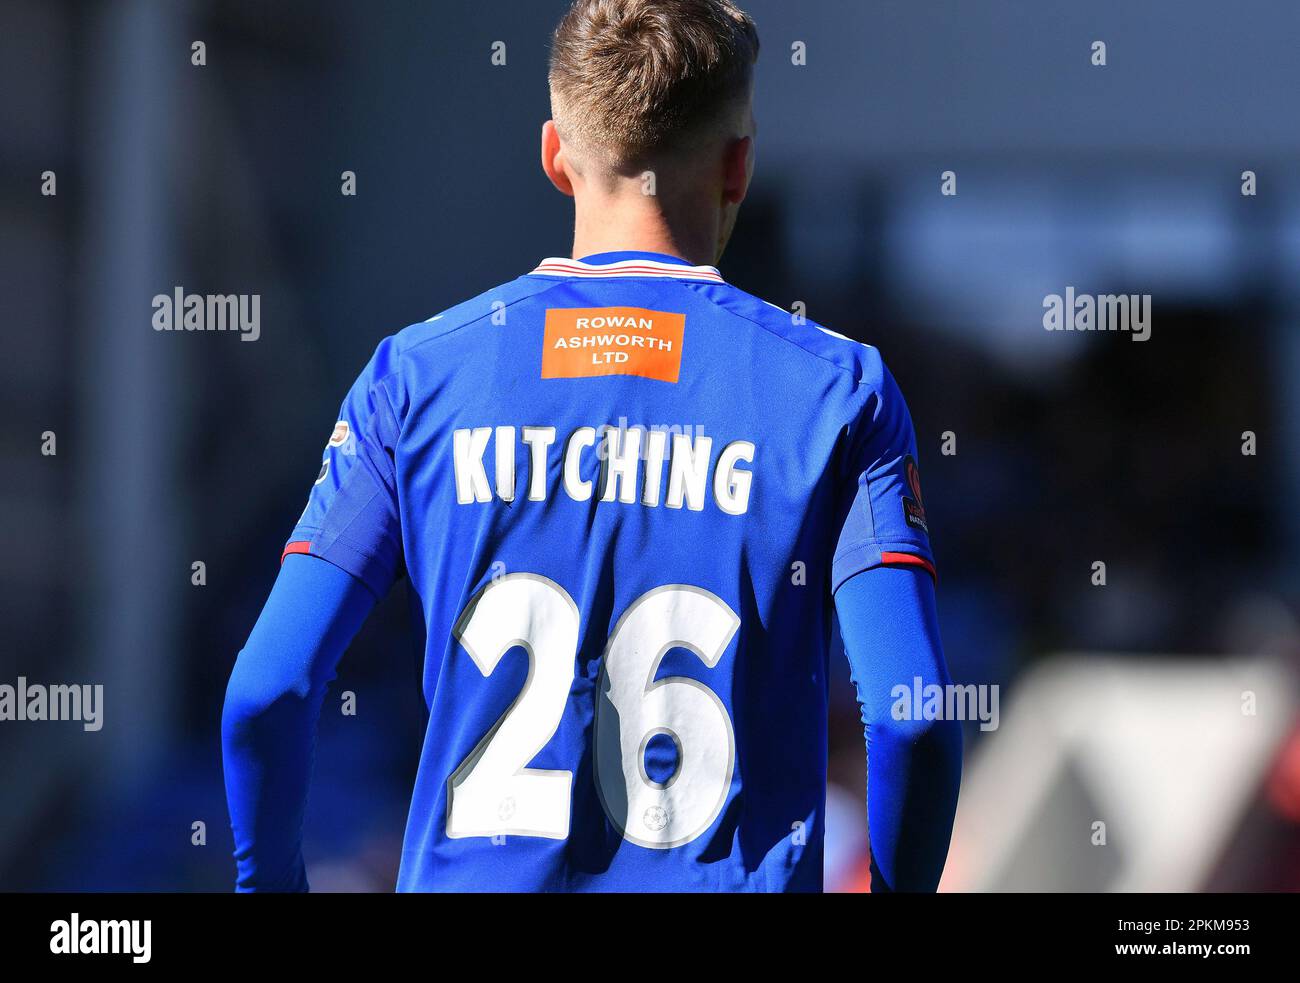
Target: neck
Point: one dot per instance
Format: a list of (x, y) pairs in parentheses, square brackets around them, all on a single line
[(632, 221)]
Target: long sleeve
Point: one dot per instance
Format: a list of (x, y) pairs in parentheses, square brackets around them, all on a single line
[(891, 635), (273, 702)]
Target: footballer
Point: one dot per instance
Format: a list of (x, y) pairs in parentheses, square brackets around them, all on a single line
[(629, 498)]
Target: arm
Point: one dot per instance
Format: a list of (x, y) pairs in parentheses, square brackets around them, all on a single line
[(891, 635), (268, 727)]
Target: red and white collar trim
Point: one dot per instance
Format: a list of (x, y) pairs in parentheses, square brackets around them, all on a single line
[(627, 268)]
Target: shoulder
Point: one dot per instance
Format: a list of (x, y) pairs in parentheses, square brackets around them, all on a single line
[(804, 337), (468, 313), (419, 340)]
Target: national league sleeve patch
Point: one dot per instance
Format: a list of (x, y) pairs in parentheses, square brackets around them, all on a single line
[(914, 504)]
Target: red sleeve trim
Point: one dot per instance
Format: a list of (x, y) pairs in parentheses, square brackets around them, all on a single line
[(301, 546), (908, 560)]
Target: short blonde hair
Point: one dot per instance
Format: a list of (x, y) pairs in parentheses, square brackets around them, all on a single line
[(631, 78)]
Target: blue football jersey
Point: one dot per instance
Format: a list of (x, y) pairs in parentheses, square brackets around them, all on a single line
[(624, 492)]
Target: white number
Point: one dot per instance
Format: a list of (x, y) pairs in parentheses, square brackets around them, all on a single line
[(493, 792), (632, 708)]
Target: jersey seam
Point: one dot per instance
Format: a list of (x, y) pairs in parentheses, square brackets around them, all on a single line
[(344, 542), (459, 327), (858, 380)]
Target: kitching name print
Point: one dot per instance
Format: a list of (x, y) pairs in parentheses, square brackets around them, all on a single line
[(633, 462)]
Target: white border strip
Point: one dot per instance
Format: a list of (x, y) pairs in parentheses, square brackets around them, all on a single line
[(555, 266)]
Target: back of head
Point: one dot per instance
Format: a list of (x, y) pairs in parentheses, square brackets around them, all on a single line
[(635, 80)]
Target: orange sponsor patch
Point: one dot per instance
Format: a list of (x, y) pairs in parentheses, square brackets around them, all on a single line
[(591, 341)]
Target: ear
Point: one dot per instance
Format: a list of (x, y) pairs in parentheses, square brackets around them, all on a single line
[(737, 168), (553, 159)]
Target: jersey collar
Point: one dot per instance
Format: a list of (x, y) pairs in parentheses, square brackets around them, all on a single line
[(627, 263)]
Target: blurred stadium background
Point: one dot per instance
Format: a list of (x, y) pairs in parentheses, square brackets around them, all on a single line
[(1120, 704)]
